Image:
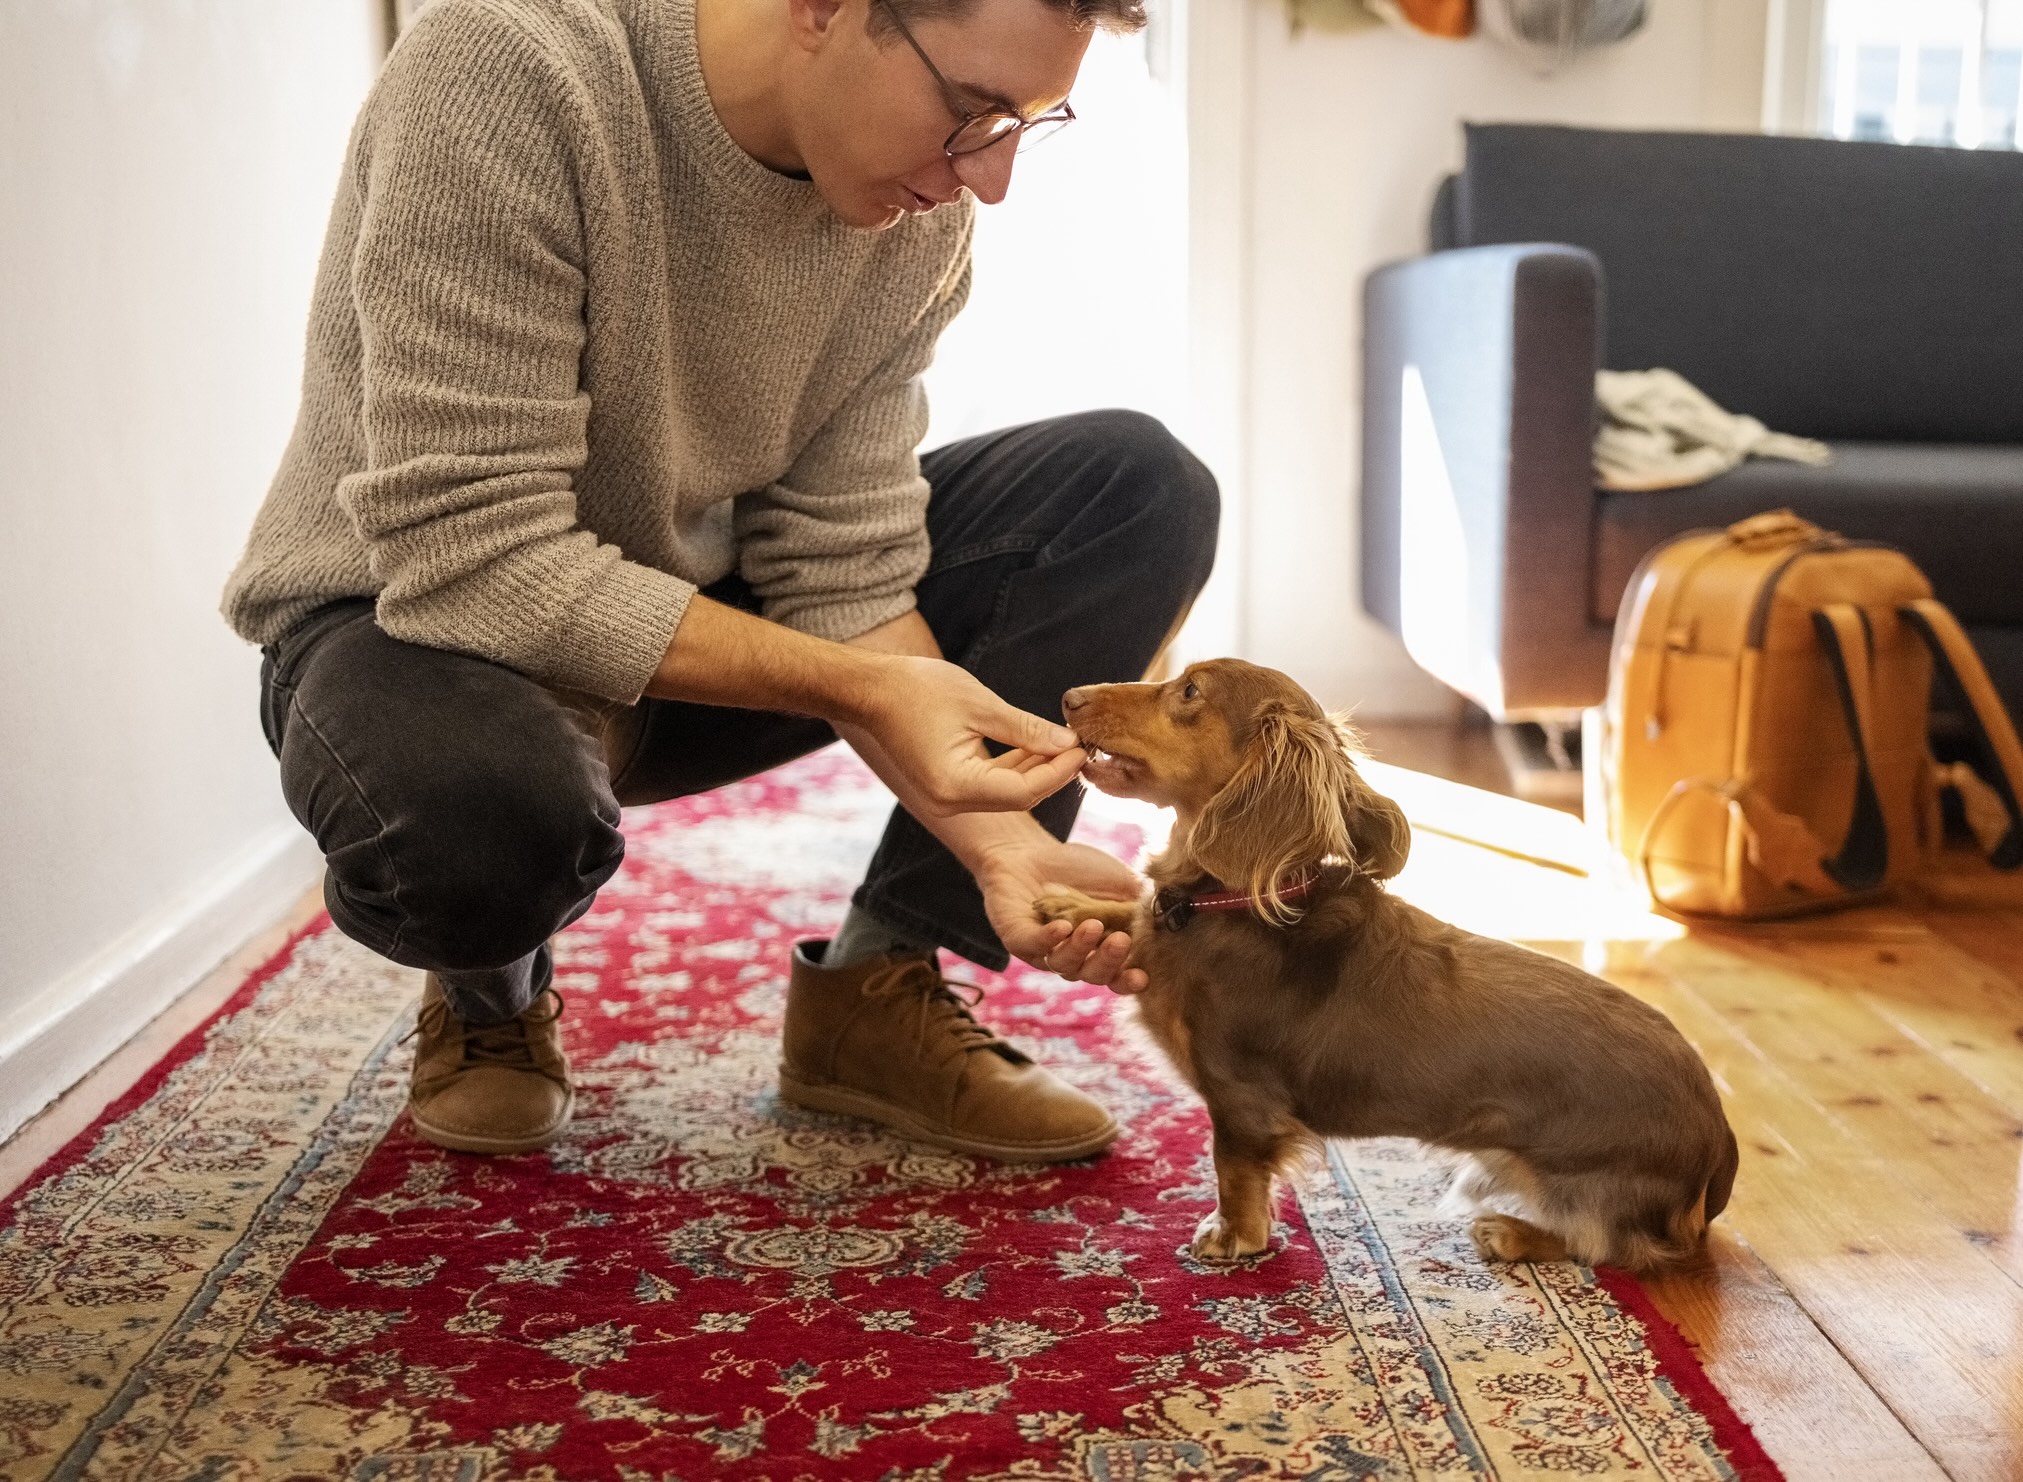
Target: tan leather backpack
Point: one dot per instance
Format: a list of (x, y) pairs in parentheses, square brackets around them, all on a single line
[(1765, 738)]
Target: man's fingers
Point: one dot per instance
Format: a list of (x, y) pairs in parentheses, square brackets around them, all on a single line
[(1087, 955), (1024, 731), (1108, 959), (1051, 774), (1026, 761), (1018, 759), (1039, 949), (1001, 788), (1000, 785), (1068, 946)]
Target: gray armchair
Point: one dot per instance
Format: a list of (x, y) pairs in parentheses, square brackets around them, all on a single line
[(1867, 294)]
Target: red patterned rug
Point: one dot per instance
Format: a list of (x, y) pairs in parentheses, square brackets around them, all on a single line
[(250, 1269)]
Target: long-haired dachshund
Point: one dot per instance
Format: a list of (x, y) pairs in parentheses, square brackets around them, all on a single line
[(1303, 1001)]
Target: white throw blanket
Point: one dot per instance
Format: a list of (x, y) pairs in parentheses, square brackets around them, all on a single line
[(1660, 431)]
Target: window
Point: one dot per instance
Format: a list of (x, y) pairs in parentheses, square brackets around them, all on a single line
[(1923, 71)]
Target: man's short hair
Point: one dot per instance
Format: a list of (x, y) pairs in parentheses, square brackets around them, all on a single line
[(1120, 16)]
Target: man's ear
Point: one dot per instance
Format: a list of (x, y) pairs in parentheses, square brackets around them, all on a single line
[(1285, 809), (811, 20)]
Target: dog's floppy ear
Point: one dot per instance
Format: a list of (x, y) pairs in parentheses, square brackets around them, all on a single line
[(1378, 833), (1286, 809), (1380, 838)]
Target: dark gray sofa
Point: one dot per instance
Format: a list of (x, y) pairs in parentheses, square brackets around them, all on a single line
[(1867, 294)]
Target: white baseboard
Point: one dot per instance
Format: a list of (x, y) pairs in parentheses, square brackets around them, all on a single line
[(52, 1041)]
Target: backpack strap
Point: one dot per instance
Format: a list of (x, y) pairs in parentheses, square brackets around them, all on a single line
[(2001, 756), (1864, 857)]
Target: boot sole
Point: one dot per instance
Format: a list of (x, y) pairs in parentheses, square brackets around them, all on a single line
[(470, 1142), (843, 1101)]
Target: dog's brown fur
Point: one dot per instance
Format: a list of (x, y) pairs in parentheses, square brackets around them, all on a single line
[(1587, 1126)]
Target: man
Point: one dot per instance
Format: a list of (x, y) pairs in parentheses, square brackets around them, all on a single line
[(604, 491)]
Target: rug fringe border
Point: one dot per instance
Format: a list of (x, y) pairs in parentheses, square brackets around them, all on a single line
[(79, 1147), (1680, 1363)]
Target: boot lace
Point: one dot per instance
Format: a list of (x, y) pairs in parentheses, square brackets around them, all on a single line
[(509, 1045), (942, 1012)]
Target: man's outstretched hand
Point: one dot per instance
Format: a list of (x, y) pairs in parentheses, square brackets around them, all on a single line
[(1012, 878), (919, 721), (930, 728)]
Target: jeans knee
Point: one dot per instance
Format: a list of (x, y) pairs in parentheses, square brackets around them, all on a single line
[(1157, 484), (475, 882)]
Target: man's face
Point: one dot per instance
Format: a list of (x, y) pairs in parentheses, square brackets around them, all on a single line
[(872, 120)]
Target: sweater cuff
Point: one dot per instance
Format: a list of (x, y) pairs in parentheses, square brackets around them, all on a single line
[(617, 630), (839, 622)]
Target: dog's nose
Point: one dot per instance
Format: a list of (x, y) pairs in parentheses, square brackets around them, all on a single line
[(1074, 700)]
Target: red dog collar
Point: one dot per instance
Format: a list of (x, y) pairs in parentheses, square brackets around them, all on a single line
[(1173, 909)]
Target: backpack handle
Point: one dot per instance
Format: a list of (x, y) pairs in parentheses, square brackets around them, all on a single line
[(2001, 756), (1777, 843), (1864, 857)]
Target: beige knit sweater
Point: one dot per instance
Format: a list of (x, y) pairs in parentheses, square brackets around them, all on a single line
[(573, 353)]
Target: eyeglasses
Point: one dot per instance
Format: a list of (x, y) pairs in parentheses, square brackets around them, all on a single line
[(980, 129)]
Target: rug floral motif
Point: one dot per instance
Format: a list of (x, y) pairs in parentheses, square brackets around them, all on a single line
[(251, 1269)]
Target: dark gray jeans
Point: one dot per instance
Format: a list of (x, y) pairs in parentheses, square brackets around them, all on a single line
[(467, 813)]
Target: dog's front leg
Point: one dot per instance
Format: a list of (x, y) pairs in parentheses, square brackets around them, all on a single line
[(1240, 1224)]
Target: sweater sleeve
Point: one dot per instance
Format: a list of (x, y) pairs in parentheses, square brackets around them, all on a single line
[(836, 547), (468, 282)]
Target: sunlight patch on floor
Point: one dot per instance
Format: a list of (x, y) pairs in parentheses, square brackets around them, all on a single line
[(1475, 858)]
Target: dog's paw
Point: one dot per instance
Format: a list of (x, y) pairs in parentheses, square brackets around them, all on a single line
[(1066, 905), (1217, 1239), (1493, 1238), (1060, 903), (1502, 1237)]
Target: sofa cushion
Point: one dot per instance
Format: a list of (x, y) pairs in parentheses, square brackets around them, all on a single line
[(1957, 511), (1834, 289)]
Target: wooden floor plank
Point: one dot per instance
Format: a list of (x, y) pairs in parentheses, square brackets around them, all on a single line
[(1947, 1141), (1992, 937), (1921, 1313), (1524, 830), (1814, 1414), (1952, 1002)]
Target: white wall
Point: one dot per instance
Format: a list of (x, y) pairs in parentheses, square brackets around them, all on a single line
[(165, 170), (1347, 137), (1080, 272)]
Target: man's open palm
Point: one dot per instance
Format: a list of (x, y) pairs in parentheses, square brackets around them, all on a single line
[(1011, 880)]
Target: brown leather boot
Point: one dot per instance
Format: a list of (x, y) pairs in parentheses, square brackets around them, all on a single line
[(887, 1039), (502, 1088)]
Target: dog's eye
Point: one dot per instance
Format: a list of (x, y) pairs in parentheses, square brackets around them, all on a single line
[(1192, 692)]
